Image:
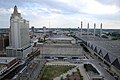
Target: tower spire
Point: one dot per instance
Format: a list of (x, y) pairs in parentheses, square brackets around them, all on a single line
[(15, 10)]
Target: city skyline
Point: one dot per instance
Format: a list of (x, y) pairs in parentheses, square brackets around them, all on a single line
[(64, 13), (48, 53)]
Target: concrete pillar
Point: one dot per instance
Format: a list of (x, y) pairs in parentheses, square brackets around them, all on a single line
[(88, 30), (94, 29), (101, 30)]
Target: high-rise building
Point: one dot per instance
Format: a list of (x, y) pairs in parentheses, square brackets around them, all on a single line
[(19, 36)]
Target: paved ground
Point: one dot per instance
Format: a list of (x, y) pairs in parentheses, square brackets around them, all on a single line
[(100, 67), (60, 63), (107, 76)]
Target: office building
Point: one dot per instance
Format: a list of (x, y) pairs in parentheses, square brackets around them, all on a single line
[(18, 36)]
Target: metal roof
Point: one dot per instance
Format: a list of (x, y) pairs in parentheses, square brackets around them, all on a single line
[(110, 46)]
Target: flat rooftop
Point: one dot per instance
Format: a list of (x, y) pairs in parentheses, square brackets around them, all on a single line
[(92, 38), (62, 38), (6, 60)]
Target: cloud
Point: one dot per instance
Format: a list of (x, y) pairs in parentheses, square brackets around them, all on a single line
[(48, 4), (110, 2), (62, 13), (94, 7), (4, 11)]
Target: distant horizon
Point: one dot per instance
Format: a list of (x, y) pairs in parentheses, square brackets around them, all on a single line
[(64, 28)]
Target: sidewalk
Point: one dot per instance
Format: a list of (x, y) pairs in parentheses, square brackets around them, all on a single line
[(60, 63)]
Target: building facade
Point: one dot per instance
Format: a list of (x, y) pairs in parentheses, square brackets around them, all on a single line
[(19, 36), (4, 41)]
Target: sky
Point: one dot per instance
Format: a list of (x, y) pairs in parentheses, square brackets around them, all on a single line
[(63, 13)]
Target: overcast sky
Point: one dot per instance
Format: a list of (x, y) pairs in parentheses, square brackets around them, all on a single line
[(63, 13)]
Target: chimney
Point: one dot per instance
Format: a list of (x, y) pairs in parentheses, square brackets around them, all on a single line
[(81, 27), (87, 29), (94, 29), (101, 30), (49, 25)]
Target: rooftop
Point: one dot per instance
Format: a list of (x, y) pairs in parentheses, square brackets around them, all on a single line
[(92, 38), (62, 38), (110, 46), (6, 60)]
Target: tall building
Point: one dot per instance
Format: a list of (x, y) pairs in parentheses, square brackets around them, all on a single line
[(19, 36)]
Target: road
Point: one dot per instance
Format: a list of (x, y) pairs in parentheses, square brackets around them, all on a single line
[(13, 73), (100, 66)]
